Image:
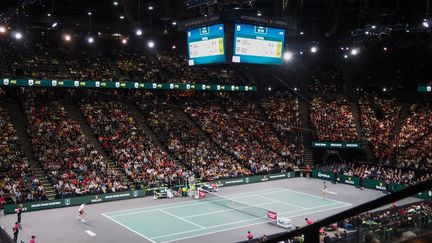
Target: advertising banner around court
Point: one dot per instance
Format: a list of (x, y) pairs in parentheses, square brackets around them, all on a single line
[(254, 179), (375, 184), (320, 174), (424, 89), (120, 85), (351, 180), (73, 201)]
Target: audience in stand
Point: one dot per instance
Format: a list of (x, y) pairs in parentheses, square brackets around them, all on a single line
[(187, 142), (17, 180), (333, 120), (128, 145), (72, 164), (379, 118)]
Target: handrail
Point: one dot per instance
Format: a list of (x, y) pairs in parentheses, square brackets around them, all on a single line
[(311, 232)]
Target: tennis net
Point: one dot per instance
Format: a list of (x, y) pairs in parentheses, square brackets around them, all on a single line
[(251, 210)]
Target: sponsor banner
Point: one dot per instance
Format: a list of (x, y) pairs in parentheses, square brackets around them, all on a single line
[(73, 201), (121, 85), (322, 175), (336, 145), (351, 180), (374, 184)]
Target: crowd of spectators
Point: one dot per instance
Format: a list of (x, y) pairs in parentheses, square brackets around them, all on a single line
[(186, 141), (413, 144), (17, 180), (333, 120), (239, 128), (128, 145), (70, 161), (379, 118)]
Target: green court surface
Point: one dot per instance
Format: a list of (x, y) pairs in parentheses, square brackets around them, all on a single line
[(166, 223)]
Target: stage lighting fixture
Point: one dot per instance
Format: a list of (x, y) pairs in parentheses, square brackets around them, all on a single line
[(346, 56), (259, 14), (121, 17), (150, 7), (385, 48), (124, 41), (384, 89), (425, 23), (54, 24), (269, 88), (288, 56), (313, 49), (174, 47), (138, 32), (2, 29), (89, 13), (174, 23), (302, 33), (150, 44), (90, 40), (115, 3)]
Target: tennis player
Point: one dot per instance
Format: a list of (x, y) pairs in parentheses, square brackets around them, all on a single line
[(325, 189), (81, 213)]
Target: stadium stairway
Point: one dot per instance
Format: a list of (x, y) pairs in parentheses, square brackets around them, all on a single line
[(73, 113), (19, 122), (139, 117), (403, 115), (365, 145), (306, 132)]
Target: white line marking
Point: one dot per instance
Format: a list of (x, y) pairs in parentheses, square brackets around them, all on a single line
[(243, 226), (286, 203), (226, 210), (310, 195), (240, 221), (183, 219), (90, 233), (145, 237), (188, 202), (330, 192)]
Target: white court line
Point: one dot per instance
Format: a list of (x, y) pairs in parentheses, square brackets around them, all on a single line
[(240, 221), (183, 219), (286, 203), (90, 233), (145, 237), (180, 204), (310, 195), (243, 226), (226, 210)]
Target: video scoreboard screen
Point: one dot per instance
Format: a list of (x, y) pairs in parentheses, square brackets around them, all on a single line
[(206, 45), (258, 44)]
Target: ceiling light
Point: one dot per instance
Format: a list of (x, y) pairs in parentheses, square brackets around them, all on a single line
[(302, 33), (150, 7), (174, 23), (174, 47), (121, 17), (269, 88), (373, 27), (150, 44), (355, 51), (259, 14), (2, 29), (89, 13), (54, 24), (288, 56), (314, 49), (384, 89), (115, 3), (346, 56), (90, 40), (138, 32), (385, 48), (18, 35), (124, 41), (48, 14), (67, 38), (425, 23)]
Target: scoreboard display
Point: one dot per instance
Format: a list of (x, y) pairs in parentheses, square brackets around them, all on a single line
[(206, 45), (258, 44)]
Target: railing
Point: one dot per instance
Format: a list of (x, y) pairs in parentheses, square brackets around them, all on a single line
[(311, 232)]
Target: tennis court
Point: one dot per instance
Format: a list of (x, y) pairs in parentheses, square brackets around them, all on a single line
[(201, 217)]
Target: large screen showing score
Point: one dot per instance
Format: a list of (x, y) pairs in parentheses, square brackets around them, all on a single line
[(206, 45), (258, 44)]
